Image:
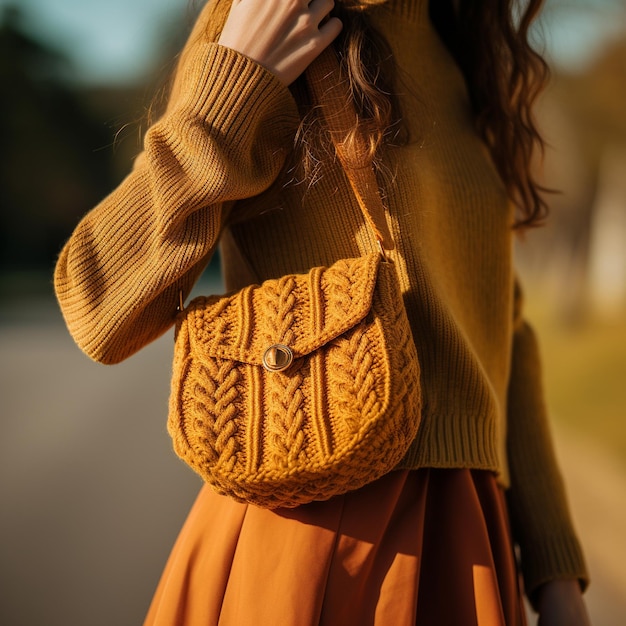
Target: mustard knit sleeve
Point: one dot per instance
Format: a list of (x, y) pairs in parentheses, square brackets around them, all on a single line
[(540, 516), (224, 137)]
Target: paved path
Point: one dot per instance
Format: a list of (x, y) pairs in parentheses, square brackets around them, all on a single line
[(597, 491), (92, 496)]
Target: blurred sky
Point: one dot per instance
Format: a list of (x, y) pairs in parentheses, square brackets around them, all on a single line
[(107, 41), (115, 41)]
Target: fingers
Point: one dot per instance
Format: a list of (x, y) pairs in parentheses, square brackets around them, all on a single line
[(319, 9), (283, 35), (330, 29)]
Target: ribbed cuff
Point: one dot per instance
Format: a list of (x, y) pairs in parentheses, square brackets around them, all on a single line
[(552, 559), (233, 95), (225, 136)]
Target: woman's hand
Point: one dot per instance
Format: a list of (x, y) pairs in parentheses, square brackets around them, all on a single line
[(284, 36), (560, 603)]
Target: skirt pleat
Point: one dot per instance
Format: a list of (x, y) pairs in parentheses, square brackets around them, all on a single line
[(421, 547)]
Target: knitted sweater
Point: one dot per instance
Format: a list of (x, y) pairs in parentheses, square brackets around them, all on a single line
[(208, 173)]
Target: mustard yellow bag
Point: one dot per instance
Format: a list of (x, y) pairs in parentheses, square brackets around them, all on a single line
[(306, 386), (299, 389)]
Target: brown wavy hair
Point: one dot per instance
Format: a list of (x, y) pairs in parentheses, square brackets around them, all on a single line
[(504, 76)]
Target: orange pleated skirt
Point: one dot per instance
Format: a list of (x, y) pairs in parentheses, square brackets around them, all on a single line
[(428, 547)]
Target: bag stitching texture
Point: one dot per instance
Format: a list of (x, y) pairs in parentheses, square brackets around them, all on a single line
[(342, 415)]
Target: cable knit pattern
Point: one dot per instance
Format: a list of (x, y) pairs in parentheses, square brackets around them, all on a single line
[(342, 415)]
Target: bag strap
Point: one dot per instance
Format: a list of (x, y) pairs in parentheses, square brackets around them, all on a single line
[(340, 115), (328, 87)]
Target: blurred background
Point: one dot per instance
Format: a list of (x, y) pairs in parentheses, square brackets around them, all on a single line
[(91, 497)]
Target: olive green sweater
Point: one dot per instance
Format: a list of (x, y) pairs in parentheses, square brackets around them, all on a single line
[(208, 173)]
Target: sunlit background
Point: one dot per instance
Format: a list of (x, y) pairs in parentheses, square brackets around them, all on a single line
[(91, 496)]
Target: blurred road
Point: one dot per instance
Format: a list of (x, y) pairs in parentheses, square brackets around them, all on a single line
[(92, 496)]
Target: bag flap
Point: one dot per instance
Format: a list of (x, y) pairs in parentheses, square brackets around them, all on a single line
[(301, 311)]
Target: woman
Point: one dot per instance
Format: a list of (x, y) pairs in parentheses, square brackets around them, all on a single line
[(443, 93)]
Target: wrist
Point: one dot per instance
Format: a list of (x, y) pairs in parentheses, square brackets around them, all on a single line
[(560, 602)]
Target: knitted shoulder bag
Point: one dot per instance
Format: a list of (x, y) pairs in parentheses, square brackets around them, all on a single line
[(306, 386)]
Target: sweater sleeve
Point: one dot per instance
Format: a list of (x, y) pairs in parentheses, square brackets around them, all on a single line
[(224, 137), (540, 517)]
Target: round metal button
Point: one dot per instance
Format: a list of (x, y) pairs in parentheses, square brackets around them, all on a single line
[(277, 358)]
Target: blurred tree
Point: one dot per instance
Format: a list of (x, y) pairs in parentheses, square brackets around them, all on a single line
[(45, 181), (64, 146), (584, 120)]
